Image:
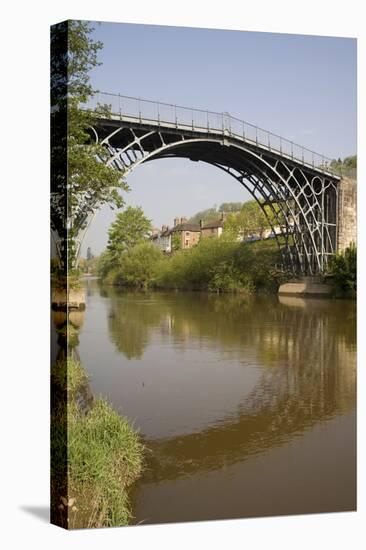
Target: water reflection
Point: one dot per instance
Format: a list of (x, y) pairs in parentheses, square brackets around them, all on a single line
[(66, 325), (213, 381)]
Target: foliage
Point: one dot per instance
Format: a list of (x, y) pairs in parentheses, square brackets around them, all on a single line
[(216, 264), (138, 266), (346, 167), (213, 214), (210, 214), (230, 207), (104, 456), (130, 228), (89, 181), (227, 277), (176, 242), (343, 268), (105, 264), (220, 264), (250, 221)]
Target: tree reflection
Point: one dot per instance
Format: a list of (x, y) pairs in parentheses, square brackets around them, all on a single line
[(307, 349)]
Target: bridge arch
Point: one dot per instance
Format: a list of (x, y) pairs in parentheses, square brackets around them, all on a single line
[(305, 230)]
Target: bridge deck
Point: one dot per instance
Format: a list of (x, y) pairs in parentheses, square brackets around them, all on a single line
[(145, 113), (223, 134)]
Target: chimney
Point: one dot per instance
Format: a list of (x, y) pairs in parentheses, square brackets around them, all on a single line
[(183, 220), (176, 222), (223, 216), (201, 224)]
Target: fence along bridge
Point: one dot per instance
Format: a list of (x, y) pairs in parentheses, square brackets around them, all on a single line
[(297, 185)]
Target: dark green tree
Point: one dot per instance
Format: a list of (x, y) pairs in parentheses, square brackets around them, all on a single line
[(139, 265), (130, 228), (343, 268), (80, 178)]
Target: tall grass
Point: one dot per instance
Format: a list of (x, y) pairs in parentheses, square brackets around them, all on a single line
[(104, 456)]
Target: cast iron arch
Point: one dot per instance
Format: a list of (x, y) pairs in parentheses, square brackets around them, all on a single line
[(304, 227)]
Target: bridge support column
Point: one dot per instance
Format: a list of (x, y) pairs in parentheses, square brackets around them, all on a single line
[(347, 214)]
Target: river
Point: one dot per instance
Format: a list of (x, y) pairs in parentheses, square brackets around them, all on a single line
[(246, 405)]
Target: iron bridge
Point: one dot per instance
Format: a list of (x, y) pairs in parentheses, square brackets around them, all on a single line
[(296, 185)]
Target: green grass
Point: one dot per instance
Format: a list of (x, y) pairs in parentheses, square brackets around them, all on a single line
[(104, 457)]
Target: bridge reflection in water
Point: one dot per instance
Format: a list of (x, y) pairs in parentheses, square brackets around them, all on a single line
[(247, 405)]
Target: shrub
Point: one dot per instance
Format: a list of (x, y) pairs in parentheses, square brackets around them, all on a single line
[(138, 266), (343, 268)]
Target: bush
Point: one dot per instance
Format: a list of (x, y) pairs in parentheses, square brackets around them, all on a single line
[(343, 268), (221, 265), (217, 264), (226, 277), (138, 266), (105, 264)]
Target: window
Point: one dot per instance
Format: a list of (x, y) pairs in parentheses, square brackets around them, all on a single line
[(187, 233)]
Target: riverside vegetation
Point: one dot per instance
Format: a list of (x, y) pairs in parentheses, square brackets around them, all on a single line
[(343, 271), (214, 264), (221, 264), (104, 455)]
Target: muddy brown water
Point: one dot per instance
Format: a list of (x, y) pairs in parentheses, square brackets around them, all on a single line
[(246, 406)]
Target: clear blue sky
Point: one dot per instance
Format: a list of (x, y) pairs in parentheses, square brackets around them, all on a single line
[(301, 87)]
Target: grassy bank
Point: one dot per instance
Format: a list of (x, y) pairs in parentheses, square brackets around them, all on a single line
[(217, 265), (104, 455)]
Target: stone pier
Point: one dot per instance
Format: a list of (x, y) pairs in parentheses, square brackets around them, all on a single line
[(347, 214), (306, 286)]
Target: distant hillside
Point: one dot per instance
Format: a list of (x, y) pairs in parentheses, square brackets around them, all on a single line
[(347, 166), (212, 214)]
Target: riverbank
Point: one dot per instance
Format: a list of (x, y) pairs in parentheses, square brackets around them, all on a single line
[(104, 455), (216, 265), (221, 265)]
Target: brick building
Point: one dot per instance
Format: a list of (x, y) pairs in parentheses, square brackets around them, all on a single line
[(214, 228), (188, 235)]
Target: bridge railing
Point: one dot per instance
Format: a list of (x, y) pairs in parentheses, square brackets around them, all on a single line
[(200, 120)]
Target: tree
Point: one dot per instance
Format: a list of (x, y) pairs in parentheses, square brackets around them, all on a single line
[(345, 167), (176, 241), (80, 178), (205, 215), (251, 220), (230, 207), (130, 228), (139, 265), (104, 264)]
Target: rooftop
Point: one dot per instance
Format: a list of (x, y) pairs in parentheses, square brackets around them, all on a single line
[(186, 227), (213, 224)]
